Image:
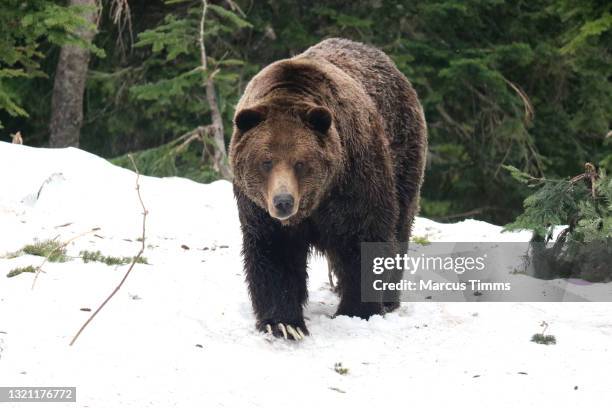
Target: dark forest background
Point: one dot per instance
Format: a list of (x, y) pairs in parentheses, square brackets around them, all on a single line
[(520, 83)]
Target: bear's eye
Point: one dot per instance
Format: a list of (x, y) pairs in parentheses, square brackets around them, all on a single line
[(299, 167), (266, 165)]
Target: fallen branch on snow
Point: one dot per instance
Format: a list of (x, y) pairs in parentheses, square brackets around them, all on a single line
[(138, 256)]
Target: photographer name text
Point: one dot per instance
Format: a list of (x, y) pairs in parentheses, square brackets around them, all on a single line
[(430, 285)]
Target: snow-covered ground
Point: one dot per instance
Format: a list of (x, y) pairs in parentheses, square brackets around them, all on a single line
[(180, 332)]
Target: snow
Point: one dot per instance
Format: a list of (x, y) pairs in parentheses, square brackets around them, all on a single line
[(180, 332)]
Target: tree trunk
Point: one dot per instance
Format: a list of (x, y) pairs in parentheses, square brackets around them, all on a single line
[(219, 158), (69, 86)]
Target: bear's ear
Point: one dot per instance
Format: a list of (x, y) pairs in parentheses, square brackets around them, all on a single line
[(247, 119), (319, 118)]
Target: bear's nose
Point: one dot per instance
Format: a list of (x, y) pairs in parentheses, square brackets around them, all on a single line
[(283, 204)]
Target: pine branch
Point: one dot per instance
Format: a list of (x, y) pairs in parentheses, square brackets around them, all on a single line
[(57, 249)]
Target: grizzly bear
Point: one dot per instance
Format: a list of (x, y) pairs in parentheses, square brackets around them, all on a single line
[(328, 151)]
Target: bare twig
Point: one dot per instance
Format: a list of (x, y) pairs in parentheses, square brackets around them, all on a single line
[(544, 324), (122, 17), (235, 7), (529, 112), (59, 247), (200, 133), (138, 256), (189, 134), (448, 118), (63, 225), (17, 138), (589, 173)]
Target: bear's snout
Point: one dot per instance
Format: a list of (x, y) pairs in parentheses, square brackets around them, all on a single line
[(283, 195), (283, 204)]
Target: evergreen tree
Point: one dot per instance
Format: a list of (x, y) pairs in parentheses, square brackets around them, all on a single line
[(26, 31), (582, 207), (503, 82)]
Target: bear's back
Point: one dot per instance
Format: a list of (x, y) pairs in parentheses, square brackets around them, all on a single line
[(389, 89)]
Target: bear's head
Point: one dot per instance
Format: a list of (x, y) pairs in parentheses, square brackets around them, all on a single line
[(284, 156)]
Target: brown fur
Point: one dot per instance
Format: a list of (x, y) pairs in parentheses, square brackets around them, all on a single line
[(341, 130)]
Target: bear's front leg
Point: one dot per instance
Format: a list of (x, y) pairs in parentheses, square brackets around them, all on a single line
[(275, 265)]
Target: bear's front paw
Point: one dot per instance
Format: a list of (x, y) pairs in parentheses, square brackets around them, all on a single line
[(289, 331)]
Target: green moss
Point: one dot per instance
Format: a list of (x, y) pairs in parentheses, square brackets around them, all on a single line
[(421, 240), (90, 256), (19, 271), (340, 369), (544, 339), (51, 249)]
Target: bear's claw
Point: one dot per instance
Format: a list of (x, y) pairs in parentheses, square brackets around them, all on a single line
[(287, 331), (293, 332)]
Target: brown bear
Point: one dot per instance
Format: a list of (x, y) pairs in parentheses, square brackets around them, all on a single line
[(328, 151)]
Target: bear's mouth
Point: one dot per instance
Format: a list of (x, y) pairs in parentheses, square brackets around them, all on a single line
[(285, 218)]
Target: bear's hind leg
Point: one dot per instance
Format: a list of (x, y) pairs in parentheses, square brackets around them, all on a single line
[(346, 264)]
